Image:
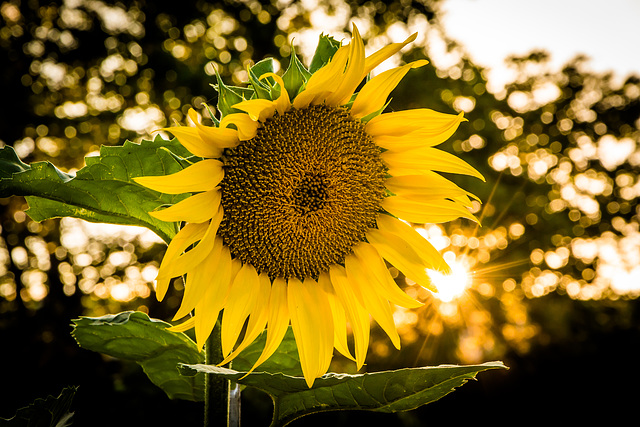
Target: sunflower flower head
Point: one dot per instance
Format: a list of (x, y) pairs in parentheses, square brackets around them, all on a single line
[(305, 190)]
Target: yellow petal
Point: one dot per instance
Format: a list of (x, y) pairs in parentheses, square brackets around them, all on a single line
[(247, 127), (214, 136), (324, 318), (184, 326), (186, 237), (283, 104), (427, 185), (236, 265), (427, 212), (208, 308), (339, 316), (378, 57), (427, 159), (353, 74), (241, 300), (372, 301), (190, 139), (258, 109), (356, 314), (278, 320), (198, 208), (190, 259), (204, 175), (373, 96), (258, 317), (400, 255), (425, 250), (196, 119), (419, 120), (312, 326), (461, 199), (316, 87), (218, 137), (427, 136), (204, 324), (413, 140), (198, 280), (380, 277)]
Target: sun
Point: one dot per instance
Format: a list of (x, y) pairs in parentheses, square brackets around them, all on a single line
[(454, 285)]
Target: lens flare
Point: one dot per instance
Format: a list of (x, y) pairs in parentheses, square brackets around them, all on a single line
[(451, 286)]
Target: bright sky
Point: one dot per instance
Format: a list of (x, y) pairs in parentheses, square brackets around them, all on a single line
[(490, 30)]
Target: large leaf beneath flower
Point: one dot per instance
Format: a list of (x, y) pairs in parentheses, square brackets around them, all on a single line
[(164, 355), (103, 190), (388, 391), (134, 336)]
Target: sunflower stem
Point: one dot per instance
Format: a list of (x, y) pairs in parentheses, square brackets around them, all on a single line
[(221, 405), (234, 405)]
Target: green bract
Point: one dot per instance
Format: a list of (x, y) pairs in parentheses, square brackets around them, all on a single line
[(295, 78)]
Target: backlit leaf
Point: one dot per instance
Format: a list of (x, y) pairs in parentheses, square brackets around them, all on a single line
[(134, 336)]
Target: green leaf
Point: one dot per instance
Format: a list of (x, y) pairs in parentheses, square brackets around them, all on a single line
[(103, 190), (295, 77), (134, 336), (327, 47), (388, 391), (49, 412)]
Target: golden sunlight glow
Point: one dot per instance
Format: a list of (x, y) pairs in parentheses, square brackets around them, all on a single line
[(451, 286)]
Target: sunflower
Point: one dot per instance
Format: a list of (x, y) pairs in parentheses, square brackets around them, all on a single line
[(299, 201)]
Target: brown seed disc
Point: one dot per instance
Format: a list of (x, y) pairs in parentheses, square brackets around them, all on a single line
[(299, 195)]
